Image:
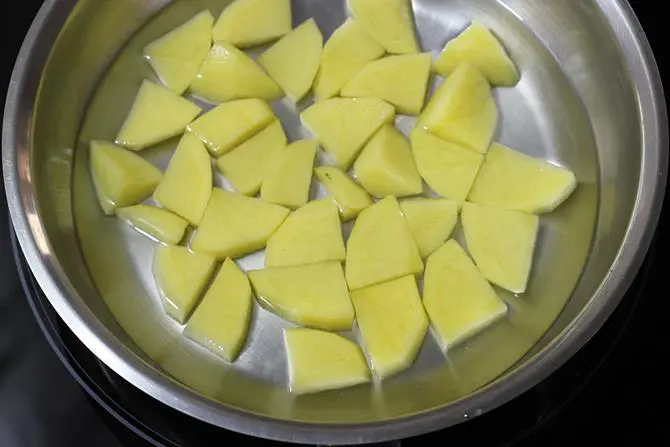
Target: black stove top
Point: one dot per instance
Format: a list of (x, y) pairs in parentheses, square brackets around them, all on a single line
[(610, 392)]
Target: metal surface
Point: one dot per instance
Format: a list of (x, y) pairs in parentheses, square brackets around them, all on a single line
[(590, 98)]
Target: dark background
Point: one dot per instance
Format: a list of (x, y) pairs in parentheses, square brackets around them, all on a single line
[(613, 392)]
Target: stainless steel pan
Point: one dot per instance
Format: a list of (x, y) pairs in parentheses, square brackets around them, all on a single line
[(590, 98)]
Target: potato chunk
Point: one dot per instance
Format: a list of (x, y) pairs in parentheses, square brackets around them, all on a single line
[(313, 295)]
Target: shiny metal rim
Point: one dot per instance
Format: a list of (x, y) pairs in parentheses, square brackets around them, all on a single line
[(31, 235)]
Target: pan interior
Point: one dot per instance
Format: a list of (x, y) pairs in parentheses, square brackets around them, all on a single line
[(544, 116)]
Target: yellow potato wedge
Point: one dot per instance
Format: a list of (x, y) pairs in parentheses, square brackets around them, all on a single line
[(228, 74), (221, 322), (181, 276), (381, 246), (294, 61), (156, 115), (393, 324), (513, 180), (431, 221), (235, 225), (320, 361), (247, 23), (459, 301), (176, 57), (187, 184), (386, 166), (288, 183), (311, 234), (400, 80), (120, 177), (313, 295)]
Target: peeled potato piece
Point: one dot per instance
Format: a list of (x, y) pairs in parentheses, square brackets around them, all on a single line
[(177, 56), (399, 80), (221, 322), (311, 234), (458, 299), (228, 74), (187, 184), (231, 124), (344, 125), (294, 61), (235, 225), (349, 197), (320, 361), (386, 165), (462, 110), (502, 243), (247, 23), (181, 276), (479, 47), (120, 177), (381, 246), (390, 22), (156, 222), (156, 115), (510, 179), (431, 221), (246, 166), (448, 168), (392, 322), (288, 183), (313, 295), (347, 51)]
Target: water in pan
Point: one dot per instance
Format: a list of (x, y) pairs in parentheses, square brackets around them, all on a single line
[(541, 116)]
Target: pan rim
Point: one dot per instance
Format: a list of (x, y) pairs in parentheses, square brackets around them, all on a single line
[(69, 306)]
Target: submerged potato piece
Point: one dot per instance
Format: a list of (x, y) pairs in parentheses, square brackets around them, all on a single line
[(246, 23), (221, 322), (176, 57), (344, 125), (512, 180), (187, 184), (431, 222), (458, 299), (399, 80), (156, 222), (246, 166), (311, 234), (349, 197), (231, 124), (235, 225), (156, 115), (502, 243), (181, 276), (479, 47), (348, 50), (462, 110), (228, 74), (320, 361), (392, 322), (313, 295), (386, 165), (381, 246), (288, 183), (390, 22), (120, 177), (294, 61), (448, 168)]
